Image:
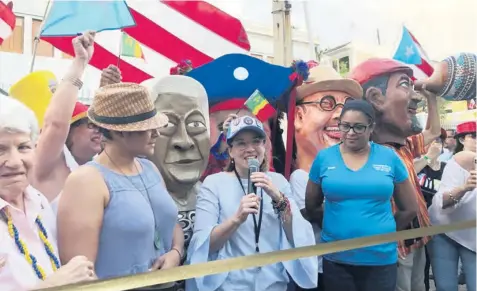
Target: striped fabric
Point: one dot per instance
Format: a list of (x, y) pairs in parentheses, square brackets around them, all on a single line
[(169, 32), (414, 149)]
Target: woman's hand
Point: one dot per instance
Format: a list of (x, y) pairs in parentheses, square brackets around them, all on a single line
[(248, 205), (261, 180), (434, 151), (78, 269), (83, 46), (471, 182), (227, 122), (166, 261), (110, 75)]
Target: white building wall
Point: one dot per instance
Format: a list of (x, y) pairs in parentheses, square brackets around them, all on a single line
[(14, 66)]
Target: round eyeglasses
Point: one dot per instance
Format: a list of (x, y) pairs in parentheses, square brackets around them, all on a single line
[(357, 128), (327, 103)]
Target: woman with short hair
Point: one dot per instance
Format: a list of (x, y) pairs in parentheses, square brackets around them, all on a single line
[(358, 180), (28, 249), (233, 221)]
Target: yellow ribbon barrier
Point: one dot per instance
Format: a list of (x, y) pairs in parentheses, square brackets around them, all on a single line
[(258, 260)]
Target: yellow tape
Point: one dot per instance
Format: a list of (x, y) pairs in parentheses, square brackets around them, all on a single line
[(216, 267)]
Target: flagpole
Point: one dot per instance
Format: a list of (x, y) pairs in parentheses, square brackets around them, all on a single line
[(36, 40), (120, 47)]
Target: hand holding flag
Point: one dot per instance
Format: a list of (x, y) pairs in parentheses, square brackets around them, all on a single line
[(259, 106), (83, 46)]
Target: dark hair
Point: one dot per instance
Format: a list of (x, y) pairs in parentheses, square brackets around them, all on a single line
[(460, 146), (359, 105), (380, 82), (74, 125), (106, 133)]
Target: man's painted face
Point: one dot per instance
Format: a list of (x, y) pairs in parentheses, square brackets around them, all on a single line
[(400, 105), (316, 121), (182, 149)]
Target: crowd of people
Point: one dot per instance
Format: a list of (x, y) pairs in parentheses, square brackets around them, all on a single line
[(106, 190)]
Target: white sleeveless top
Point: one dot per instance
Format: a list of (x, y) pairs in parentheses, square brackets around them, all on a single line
[(72, 165)]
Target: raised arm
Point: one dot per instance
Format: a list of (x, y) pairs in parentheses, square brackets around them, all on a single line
[(58, 114), (80, 214), (433, 126)]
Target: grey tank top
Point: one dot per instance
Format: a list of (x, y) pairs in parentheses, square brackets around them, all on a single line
[(138, 222)]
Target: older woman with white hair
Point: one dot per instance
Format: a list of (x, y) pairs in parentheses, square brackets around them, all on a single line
[(28, 249)]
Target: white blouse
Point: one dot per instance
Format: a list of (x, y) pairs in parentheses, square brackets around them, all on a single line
[(454, 176)]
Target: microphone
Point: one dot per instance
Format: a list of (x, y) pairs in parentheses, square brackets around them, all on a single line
[(253, 166)]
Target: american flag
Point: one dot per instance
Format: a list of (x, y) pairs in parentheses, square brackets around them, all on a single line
[(7, 20), (169, 32)]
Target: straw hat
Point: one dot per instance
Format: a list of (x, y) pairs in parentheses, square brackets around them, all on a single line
[(35, 91), (125, 107), (325, 78)]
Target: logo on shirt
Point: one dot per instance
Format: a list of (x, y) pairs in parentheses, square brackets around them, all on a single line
[(331, 168), (382, 168)]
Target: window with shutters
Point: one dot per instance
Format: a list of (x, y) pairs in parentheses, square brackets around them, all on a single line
[(43, 49), (14, 43)]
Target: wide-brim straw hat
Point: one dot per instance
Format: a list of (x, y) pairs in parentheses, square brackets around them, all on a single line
[(125, 107), (325, 78)]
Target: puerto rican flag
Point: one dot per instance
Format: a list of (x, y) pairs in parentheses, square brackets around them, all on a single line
[(7, 20), (411, 53), (169, 32)]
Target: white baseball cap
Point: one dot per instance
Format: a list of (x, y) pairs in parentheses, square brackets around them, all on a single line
[(245, 123)]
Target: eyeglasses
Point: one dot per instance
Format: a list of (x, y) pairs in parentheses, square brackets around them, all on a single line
[(327, 103), (357, 128), (242, 145)]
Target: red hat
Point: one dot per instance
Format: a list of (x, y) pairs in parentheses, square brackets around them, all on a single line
[(79, 112), (375, 67), (465, 128)]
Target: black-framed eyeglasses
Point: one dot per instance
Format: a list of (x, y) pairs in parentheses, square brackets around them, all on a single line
[(357, 128), (327, 103)]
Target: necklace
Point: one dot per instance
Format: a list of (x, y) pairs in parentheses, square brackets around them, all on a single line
[(31, 259), (157, 238)]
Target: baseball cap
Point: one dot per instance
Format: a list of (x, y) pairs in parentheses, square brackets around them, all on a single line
[(244, 123)]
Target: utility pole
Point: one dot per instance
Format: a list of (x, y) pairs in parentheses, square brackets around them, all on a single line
[(282, 33)]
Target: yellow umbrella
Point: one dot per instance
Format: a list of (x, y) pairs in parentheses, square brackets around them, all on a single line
[(35, 91)]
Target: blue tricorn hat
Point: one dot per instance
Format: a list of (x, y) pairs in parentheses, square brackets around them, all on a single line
[(230, 79)]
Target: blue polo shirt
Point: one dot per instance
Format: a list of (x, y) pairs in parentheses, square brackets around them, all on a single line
[(358, 203)]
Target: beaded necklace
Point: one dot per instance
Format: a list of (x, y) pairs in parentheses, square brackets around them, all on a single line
[(31, 259)]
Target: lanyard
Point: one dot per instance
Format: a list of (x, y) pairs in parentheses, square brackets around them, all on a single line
[(256, 227)]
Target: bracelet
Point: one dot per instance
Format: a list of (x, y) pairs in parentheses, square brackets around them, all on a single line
[(454, 200), (281, 205), (428, 160), (180, 255), (75, 81)]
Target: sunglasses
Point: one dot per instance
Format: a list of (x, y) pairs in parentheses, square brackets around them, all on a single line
[(327, 103)]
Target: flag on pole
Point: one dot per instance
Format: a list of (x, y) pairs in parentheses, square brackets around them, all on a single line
[(259, 106), (68, 18), (411, 53), (7, 20), (130, 47)]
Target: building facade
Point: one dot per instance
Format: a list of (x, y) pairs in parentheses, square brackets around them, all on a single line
[(16, 53)]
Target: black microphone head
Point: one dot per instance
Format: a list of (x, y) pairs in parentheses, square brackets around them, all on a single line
[(254, 164)]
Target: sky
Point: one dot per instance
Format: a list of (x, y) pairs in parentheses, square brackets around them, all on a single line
[(443, 27)]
